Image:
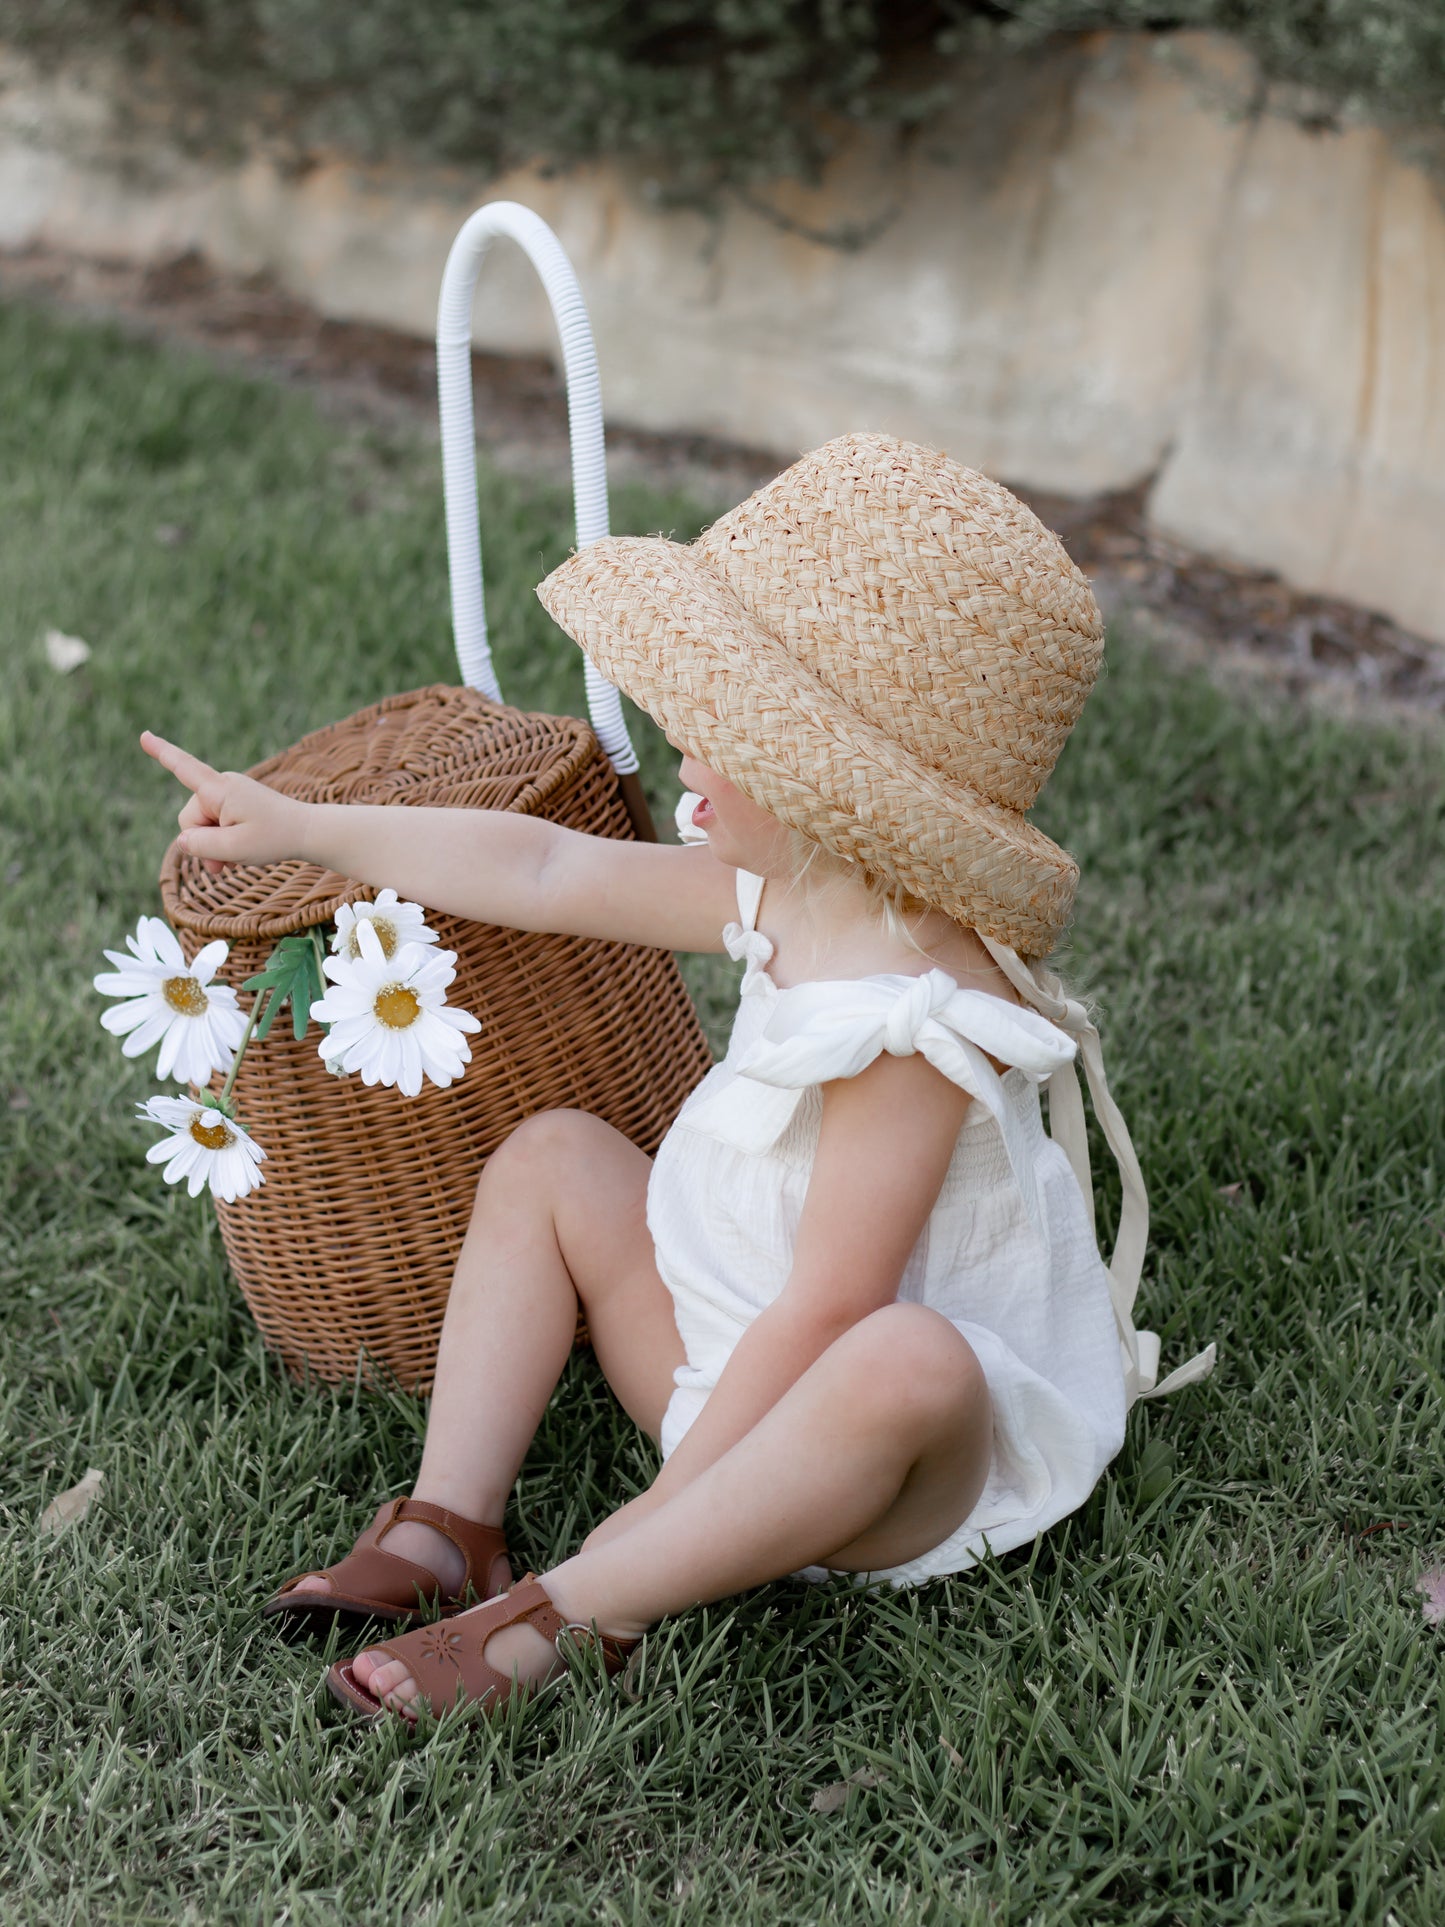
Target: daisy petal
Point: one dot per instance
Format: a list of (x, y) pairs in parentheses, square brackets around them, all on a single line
[(123, 983), (208, 961), (123, 1017), (368, 942), (163, 942), (154, 1027), (182, 1162), (409, 1079), (171, 1046)]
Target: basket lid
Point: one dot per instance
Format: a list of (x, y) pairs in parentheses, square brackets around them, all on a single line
[(439, 746)]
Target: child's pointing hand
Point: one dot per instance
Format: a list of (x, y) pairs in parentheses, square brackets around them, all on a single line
[(230, 818)]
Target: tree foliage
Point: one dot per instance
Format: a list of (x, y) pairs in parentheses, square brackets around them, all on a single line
[(1382, 60), (702, 96)]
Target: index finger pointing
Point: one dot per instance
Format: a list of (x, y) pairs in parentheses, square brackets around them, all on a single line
[(189, 769)]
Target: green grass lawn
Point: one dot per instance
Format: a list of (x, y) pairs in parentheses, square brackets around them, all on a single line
[(1210, 1696)]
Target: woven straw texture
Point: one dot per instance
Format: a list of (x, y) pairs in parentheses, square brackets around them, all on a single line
[(883, 649), (345, 1253)]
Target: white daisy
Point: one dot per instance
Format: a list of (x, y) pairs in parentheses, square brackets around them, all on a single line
[(395, 923), (389, 1016), (204, 1147), (198, 1023)]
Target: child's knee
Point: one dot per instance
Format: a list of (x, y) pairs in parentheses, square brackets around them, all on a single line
[(908, 1358), (538, 1149)]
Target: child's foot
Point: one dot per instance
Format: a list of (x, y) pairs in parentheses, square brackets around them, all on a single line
[(424, 1546), (401, 1567), (519, 1650)]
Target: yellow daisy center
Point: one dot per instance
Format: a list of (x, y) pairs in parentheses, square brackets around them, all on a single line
[(185, 995), (386, 935), (215, 1135), (396, 1006)]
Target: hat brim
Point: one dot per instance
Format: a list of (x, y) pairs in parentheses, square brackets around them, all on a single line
[(663, 626)]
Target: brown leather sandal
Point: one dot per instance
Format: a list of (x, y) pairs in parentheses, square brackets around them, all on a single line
[(448, 1661), (371, 1583)]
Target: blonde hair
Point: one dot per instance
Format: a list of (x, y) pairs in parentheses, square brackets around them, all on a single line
[(891, 905), (887, 902)]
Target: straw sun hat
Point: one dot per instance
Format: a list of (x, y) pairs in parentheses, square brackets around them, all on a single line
[(882, 649)]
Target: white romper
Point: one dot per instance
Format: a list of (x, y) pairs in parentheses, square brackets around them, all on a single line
[(1008, 1255)]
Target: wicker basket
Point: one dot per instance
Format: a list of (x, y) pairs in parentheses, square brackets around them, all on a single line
[(345, 1254)]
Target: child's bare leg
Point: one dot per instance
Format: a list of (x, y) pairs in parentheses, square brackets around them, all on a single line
[(876, 1454), (559, 1216)]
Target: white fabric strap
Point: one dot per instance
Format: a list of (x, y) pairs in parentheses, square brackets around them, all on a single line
[(818, 1032), (750, 897), (1066, 1124)]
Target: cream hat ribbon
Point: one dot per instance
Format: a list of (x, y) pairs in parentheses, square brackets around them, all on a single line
[(1140, 1349)]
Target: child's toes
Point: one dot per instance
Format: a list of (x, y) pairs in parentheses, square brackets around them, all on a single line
[(393, 1685), (386, 1679), (365, 1665)]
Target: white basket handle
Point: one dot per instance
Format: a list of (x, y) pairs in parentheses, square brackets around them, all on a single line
[(459, 453)]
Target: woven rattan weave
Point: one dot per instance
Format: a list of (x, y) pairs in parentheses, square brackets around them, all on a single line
[(883, 649), (345, 1253)]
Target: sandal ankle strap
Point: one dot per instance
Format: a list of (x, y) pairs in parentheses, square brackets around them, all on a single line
[(534, 1604), (372, 1579), (479, 1544)]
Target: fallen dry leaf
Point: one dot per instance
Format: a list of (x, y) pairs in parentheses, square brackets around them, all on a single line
[(65, 653), (828, 1799), (67, 1507), (630, 1689), (1432, 1584)]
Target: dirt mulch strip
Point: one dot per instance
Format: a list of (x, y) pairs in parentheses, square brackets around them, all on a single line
[(1307, 645)]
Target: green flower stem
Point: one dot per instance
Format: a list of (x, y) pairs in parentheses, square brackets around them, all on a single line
[(223, 1101)]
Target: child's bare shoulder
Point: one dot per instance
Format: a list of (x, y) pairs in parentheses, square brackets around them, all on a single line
[(869, 948), (959, 952)]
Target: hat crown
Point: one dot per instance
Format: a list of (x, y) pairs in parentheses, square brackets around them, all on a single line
[(882, 649), (928, 599)]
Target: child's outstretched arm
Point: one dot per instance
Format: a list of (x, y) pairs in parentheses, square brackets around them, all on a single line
[(491, 866)]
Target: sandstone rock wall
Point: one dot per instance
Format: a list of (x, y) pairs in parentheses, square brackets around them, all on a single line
[(1100, 267)]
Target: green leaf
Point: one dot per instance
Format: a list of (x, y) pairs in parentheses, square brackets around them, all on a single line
[(1156, 1471), (273, 1003), (291, 975), (314, 987)]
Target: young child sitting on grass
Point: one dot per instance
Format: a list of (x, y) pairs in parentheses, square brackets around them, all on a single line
[(856, 1298)]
